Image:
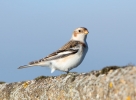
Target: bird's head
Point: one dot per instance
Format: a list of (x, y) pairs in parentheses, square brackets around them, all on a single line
[(80, 34)]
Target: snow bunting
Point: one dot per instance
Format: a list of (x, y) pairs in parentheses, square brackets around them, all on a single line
[(67, 57)]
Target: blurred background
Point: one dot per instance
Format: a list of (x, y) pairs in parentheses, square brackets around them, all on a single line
[(32, 29)]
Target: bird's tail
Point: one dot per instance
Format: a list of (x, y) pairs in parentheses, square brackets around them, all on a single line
[(25, 66)]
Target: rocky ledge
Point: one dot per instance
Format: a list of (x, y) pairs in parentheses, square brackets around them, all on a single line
[(110, 83)]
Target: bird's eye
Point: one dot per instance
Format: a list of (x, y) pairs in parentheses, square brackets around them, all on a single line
[(79, 31)]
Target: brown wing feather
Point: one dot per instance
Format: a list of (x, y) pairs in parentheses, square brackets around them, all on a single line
[(66, 47), (71, 44)]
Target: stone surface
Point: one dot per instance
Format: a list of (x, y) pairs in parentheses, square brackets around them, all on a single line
[(110, 83)]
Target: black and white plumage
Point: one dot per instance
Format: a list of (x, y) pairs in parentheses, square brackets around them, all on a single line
[(67, 57)]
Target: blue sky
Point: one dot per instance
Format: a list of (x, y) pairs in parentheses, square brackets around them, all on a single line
[(30, 30)]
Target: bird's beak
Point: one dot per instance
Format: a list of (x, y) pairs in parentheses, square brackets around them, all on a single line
[(86, 32)]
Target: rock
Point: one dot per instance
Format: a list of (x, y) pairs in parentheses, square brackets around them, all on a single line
[(110, 83)]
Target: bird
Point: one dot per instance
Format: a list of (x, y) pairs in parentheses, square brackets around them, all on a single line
[(68, 56)]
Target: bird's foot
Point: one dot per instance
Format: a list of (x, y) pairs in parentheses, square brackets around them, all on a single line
[(71, 73)]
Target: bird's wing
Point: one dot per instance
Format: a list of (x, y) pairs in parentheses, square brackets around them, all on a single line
[(69, 48)]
